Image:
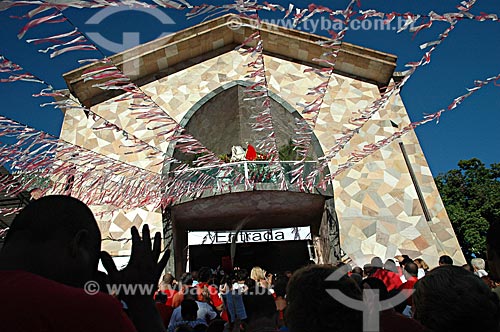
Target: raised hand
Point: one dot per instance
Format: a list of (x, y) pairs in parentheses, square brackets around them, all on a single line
[(143, 271), (143, 267)]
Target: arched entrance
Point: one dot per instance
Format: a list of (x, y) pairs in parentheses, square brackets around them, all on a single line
[(220, 121)]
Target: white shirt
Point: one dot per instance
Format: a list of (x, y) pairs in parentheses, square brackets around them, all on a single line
[(481, 273)]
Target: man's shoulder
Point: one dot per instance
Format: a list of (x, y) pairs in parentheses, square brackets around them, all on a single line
[(21, 282), (383, 273), (57, 303)]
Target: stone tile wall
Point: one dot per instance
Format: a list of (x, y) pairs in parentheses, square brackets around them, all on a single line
[(376, 201)]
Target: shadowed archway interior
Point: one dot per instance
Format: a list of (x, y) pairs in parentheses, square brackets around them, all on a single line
[(223, 119)]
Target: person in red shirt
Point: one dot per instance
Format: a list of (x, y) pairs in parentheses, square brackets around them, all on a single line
[(389, 278), (410, 273), (186, 285), (48, 273), (166, 292), (206, 292)]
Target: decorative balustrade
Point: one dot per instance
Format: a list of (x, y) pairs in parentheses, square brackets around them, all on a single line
[(247, 176)]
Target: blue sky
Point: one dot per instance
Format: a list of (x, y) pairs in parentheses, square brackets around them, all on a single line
[(471, 52)]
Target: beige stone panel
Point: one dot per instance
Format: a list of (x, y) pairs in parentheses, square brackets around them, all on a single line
[(91, 134), (357, 233), (175, 94), (429, 190), (74, 129), (178, 92), (121, 223), (289, 81), (379, 186), (414, 235)]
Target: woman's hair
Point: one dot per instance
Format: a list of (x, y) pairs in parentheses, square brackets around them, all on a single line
[(421, 264), (168, 278), (450, 298), (258, 274)]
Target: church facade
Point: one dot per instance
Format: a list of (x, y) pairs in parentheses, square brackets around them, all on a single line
[(386, 205)]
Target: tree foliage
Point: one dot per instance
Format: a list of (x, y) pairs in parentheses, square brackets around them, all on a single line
[(471, 195)]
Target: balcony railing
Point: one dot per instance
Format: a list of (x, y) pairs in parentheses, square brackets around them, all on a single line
[(248, 176)]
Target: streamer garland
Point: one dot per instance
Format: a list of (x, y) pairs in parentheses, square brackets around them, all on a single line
[(101, 180)]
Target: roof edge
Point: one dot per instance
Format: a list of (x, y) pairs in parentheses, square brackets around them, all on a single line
[(209, 39)]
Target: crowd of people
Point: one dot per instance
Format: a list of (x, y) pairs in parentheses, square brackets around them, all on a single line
[(52, 250)]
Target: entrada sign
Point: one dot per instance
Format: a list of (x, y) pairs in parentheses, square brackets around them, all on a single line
[(249, 236)]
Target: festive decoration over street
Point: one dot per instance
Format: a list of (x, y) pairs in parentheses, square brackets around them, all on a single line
[(102, 180)]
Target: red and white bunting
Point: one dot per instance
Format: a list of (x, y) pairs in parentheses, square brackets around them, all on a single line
[(108, 181), (305, 127), (369, 149)]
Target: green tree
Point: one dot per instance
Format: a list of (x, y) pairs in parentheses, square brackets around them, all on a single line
[(471, 195)]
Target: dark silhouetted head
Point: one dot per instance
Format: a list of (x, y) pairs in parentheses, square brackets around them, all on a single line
[(280, 284), (449, 298), (189, 309), (406, 259), (261, 304), (376, 284), (368, 269), (56, 237), (217, 325), (357, 278), (390, 265), (412, 269), (204, 274), (377, 262), (467, 267), (445, 260), (357, 270), (187, 279), (241, 275), (311, 309), (184, 328), (168, 278)]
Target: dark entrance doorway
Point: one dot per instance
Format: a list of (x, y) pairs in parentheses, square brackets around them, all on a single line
[(271, 256), (262, 210)]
